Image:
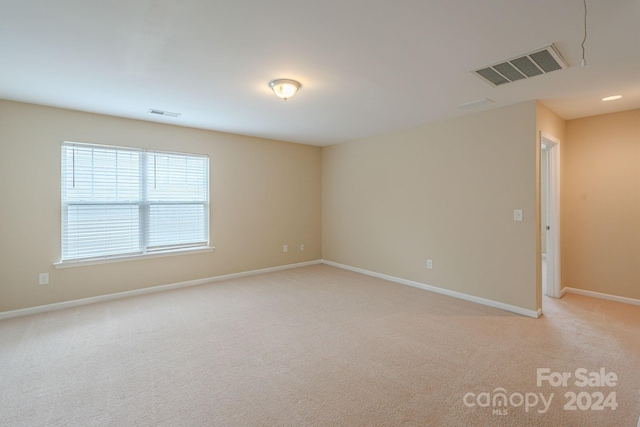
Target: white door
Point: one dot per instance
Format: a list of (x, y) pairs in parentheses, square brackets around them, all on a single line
[(550, 214)]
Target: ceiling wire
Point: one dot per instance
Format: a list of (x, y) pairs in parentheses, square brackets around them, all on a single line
[(584, 61)]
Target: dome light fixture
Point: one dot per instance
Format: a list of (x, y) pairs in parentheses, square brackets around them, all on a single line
[(284, 88), (611, 98)]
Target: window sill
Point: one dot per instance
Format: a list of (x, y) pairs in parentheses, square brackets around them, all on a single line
[(83, 263)]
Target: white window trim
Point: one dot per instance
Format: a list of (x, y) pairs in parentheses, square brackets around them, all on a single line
[(120, 258), (203, 247)]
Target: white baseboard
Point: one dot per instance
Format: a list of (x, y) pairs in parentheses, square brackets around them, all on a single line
[(144, 291), (563, 291), (599, 295), (459, 295)]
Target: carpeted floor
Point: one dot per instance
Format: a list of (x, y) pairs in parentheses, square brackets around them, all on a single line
[(317, 346)]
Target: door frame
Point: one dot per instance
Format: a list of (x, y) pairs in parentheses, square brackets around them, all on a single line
[(553, 218)]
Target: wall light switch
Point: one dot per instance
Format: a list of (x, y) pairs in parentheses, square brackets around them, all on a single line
[(285, 248), (302, 247), (517, 215), (43, 279), (429, 263)]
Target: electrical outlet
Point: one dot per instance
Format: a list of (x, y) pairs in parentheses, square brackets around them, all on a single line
[(285, 248), (517, 215), (429, 264), (302, 247), (43, 279)]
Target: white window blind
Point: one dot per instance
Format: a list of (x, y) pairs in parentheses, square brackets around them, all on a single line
[(123, 201)]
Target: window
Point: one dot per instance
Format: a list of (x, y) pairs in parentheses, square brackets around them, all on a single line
[(124, 202)]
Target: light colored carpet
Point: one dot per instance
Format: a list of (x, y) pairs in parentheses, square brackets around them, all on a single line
[(311, 346)]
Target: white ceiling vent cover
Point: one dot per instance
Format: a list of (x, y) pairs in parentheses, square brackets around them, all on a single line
[(532, 64), (474, 104), (163, 113)]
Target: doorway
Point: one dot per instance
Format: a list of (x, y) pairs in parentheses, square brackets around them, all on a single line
[(550, 214)]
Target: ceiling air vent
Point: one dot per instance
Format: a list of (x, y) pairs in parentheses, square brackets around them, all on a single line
[(541, 61), (164, 113), (474, 104)]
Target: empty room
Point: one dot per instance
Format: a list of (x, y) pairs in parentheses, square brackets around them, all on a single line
[(320, 213)]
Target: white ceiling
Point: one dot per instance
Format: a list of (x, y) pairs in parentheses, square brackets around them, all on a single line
[(366, 66)]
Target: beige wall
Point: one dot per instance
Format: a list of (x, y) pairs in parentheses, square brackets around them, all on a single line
[(263, 194), (444, 191), (550, 123), (601, 204)]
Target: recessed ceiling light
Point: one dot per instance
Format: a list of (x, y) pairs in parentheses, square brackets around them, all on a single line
[(612, 98)]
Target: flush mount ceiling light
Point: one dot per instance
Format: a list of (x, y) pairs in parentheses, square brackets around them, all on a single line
[(612, 98), (284, 88)]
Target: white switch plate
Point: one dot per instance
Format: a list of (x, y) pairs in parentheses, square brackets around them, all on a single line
[(429, 263), (302, 247), (43, 279), (285, 248), (517, 215)]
